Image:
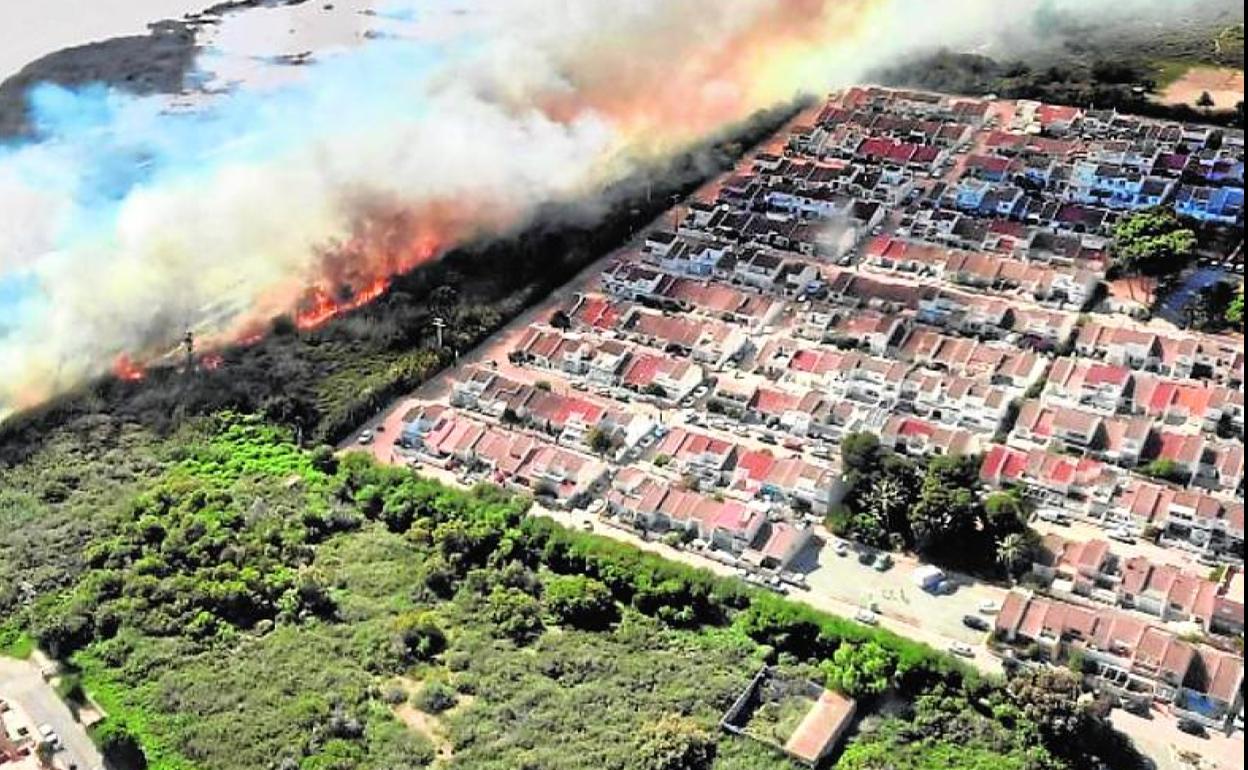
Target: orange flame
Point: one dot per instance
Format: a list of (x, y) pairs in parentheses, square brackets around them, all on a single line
[(319, 306), (126, 369)]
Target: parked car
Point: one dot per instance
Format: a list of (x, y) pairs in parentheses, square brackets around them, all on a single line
[(700, 391), (989, 607), (48, 734), (841, 548), (1053, 516), (1122, 536), (366, 437), (1138, 707), (963, 649), (883, 563), (867, 617), (975, 623), (1192, 727)]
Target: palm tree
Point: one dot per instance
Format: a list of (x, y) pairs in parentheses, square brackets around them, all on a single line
[(1012, 550), (881, 504), (885, 498)]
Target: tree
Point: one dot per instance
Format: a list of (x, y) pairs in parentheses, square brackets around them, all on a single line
[(1014, 553), (516, 614), (600, 440), (1153, 242), (886, 500), (860, 669), (860, 453), (1004, 513), (1166, 470), (443, 300), (948, 516), (434, 698), (324, 460), (654, 389), (418, 636), (1235, 310), (1205, 100), (1049, 698), (561, 320), (579, 601), (674, 742)]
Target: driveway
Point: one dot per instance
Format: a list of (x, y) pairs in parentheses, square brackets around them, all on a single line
[(22, 685)]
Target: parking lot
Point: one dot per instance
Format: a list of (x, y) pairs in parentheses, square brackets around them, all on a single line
[(896, 593)]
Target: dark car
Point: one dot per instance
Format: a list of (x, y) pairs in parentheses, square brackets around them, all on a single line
[(975, 622), (1138, 707), (1192, 727)]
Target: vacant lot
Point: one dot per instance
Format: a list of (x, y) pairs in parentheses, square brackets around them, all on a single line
[(1224, 84)]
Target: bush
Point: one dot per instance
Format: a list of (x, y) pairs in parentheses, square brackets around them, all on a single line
[(579, 601), (435, 698)]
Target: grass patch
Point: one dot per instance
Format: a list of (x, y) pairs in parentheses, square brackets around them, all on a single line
[(777, 720), (1170, 71), (15, 643)]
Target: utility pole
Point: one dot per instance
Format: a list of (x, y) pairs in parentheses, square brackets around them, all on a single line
[(189, 343), (439, 323)]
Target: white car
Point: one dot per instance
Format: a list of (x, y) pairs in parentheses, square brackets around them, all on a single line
[(842, 548), (989, 607), (963, 649), (366, 437), (867, 617), (49, 736)]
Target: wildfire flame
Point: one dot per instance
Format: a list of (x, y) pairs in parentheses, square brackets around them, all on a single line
[(127, 369), (319, 306)]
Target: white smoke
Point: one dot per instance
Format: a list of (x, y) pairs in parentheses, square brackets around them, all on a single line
[(125, 222)]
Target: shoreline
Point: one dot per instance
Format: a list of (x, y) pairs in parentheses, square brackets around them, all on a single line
[(40, 30)]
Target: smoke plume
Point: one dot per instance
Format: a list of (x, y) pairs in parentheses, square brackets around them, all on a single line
[(126, 221)]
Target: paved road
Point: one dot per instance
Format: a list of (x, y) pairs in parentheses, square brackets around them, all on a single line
[(23, 686)]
